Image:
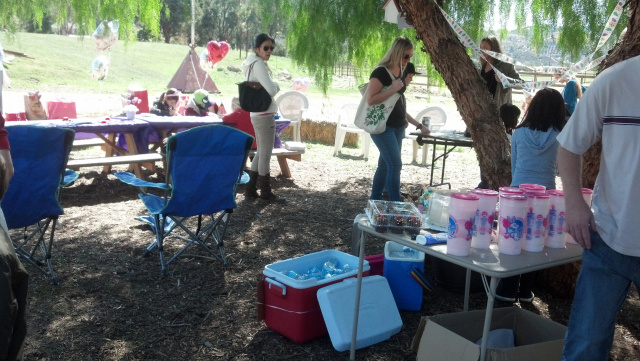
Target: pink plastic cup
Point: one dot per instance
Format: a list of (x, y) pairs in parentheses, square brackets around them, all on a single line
[(513, 208), (536, 222), (536, 188), (462, 211), (587, 194), (483, 220), (556, 235)]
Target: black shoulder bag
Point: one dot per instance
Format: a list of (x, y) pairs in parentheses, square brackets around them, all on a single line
[(253, 96)]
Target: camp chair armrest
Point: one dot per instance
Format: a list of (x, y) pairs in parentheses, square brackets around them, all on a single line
[(131, 179), (70, 176)]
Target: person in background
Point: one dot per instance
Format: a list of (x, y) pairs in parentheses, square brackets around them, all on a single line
[(571, 92), (509, 114), (14, 279), (166, 103), (381, 87), (255, 68), (608, 229), (533, 161), (500, 94), (198, 104), (409, 73), (240, 119)]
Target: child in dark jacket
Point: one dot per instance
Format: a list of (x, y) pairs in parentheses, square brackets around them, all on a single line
[(166, 103)]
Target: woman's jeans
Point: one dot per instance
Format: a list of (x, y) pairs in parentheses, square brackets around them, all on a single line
[(602, 287), (265, 127), (389, 143)]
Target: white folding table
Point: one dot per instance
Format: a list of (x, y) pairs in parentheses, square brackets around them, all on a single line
[(488, 262)]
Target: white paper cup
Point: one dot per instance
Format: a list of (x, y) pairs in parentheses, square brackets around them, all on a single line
[(483, 221), (536, 222), (512, 213), (556, 235), (462, 210)]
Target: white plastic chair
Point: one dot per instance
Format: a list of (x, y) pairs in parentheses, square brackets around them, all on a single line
[(291, 104), (345, 125), (438, 119)]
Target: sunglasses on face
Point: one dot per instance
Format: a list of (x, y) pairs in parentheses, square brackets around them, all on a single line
[(267, 48), (406, 57)]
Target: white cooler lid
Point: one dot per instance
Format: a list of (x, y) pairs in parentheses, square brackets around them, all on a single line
[(378, 318)]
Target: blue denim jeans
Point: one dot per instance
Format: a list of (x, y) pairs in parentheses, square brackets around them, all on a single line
[(602, 287), (389, 143)]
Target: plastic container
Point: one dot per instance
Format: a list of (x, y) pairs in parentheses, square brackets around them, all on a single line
[(462, 212), (536, 222), (397, 270), (483, 221), (397, 217), (291, 306), (511, 223), (378, 316), (587, 195), (556, 236)]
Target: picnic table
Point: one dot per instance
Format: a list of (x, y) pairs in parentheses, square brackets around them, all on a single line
[(106, 129)]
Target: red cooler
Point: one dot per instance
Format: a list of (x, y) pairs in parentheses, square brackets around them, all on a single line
[(291, 306)]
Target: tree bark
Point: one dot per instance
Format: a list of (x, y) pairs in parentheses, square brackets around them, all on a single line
[(475, 104), (627, 47)]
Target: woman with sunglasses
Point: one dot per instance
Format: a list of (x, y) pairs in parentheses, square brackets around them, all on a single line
[(166, 104), (385, 80), (255, 69)]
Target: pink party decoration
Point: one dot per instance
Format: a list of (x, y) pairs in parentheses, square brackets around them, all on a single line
[(217, 51)]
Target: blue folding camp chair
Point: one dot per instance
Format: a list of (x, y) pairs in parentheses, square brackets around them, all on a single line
[(204, 166), (32, 201)]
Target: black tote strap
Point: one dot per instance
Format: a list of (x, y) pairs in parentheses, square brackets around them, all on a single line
[(250, 69)]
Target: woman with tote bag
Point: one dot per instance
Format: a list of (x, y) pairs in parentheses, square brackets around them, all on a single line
[(255, 69), (386, 80)]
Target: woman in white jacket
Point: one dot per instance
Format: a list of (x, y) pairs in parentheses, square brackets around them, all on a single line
[(255, 68)]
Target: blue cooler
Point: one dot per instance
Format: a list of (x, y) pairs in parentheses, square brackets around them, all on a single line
[(397, 270)]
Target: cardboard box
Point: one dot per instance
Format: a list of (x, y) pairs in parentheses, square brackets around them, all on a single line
[(453, 336)]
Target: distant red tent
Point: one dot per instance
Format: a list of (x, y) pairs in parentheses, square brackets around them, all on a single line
[(190, 76)]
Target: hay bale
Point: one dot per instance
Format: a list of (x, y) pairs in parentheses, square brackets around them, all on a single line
[(320, 131)]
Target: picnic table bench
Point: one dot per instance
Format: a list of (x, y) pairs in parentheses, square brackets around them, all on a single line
[(283, 154)]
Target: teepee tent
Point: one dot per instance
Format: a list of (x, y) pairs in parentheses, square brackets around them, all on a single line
[(190, 76)]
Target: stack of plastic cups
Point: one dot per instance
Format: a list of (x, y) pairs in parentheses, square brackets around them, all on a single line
[(513, 208), (536, 222), (506, 190), (587, 195), (533, 188), (462, 211), (555, 232), (483, 221)]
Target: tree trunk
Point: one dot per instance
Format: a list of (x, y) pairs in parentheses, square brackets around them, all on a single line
[(475, 104)]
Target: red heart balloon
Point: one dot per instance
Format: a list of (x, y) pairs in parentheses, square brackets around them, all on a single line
[(217, 51)]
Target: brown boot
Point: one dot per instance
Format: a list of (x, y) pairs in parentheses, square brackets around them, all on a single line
[(264, 183), (250, 190)]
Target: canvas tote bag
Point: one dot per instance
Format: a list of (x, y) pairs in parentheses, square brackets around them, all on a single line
[(373, 118)]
